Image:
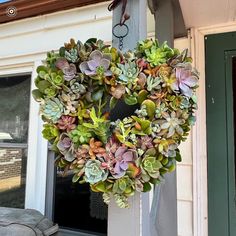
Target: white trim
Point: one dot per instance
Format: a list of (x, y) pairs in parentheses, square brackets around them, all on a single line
[(200, 205), (37, 156)]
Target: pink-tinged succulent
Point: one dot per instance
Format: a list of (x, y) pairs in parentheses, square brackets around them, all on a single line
[(145, 142), (67, 123), (82, 153), (118, 91), (65, 147), (123, 157), (97, 65), (185, 80), (142, 64), (108, 158), (69, 70)]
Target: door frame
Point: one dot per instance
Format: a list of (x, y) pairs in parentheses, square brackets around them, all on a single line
[(200, 189)]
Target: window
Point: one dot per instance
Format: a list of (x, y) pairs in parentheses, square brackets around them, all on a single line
[(14, 117)]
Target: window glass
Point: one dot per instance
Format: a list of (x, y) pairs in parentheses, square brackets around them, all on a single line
[(14, 117), (78, 208)]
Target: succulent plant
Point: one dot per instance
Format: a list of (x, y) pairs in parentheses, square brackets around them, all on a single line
[(172, 123), (69, 70), (77, 87), (123, 157), (52, 109), (50, 132), (150, 166), (80, 135), (55, 79), (95, 148), (82, 153), (185, 80), (70, 101), (160, 109), (50, 92), (72, 55), (124, 186), (153, 83), (94, 173), (145, 142), (164, 71), (66, 123), (65, 146), (98, 65), (118, 91), (99, 126), (158, 55), (128, 73)]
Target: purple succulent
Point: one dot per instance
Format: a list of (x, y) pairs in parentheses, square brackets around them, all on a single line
[(69, 70), (145, 142), (65, 147), (97, 65), (123, 157), (185, 80)]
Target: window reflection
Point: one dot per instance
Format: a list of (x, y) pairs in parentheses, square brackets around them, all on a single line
[(14, 109), (12, 177), (14, 116)]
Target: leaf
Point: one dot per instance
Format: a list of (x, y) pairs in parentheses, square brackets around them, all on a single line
[(75, 178), (97, 95), (62, 51), (41, 68), (120, 137), (142, 96), (91, 41), (113, 102), (147, 187), (178, 157), (37, 95), (150, 107), (100, 187), (130, 100), (43, 85)]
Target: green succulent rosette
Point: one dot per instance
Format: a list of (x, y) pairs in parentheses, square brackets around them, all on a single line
[(78, 89)]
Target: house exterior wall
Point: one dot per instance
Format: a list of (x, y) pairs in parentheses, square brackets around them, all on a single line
[(24, 43)]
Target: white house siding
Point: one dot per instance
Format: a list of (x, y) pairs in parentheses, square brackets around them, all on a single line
[(23, 45)]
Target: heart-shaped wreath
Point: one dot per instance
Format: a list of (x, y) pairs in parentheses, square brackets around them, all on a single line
[(79, 86)]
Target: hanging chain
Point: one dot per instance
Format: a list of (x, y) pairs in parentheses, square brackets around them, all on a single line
[(116, 31), (118, 28), (121, 43)]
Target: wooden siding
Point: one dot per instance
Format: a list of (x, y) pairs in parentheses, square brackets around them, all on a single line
[(30, 8)]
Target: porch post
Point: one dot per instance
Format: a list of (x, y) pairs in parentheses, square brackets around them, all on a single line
[(164, 205), (135, 220)]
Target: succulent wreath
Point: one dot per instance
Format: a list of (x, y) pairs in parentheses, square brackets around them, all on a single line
[(77, 88)]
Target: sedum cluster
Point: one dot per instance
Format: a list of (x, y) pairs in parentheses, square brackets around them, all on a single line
[(78, 87)]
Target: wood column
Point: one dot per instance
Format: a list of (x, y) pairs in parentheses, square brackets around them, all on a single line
[(135, 220), (164, 205)]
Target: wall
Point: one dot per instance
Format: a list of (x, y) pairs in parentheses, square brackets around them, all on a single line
[(23, 45)]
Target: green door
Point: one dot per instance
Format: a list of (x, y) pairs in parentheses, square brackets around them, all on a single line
[(221, 130)]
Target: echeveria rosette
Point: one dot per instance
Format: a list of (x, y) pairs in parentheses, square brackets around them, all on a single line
[(53, 109), (69, 70), (66, 147), (157, 55), (150, 166), (94, 173), (78, 87), (123, 157), (186, 80), (98, 65), (66, 123)]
